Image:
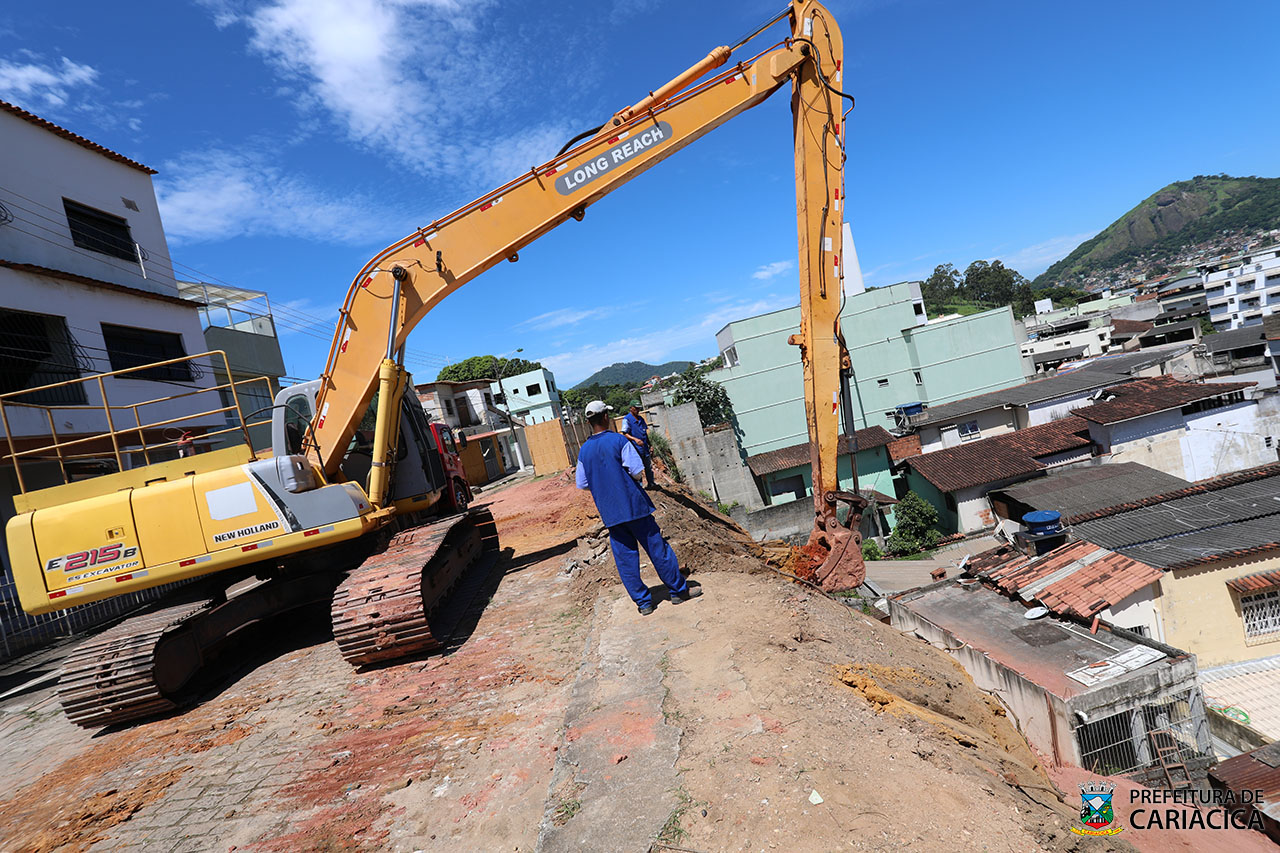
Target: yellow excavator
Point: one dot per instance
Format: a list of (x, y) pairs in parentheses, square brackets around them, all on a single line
[(338, 511)]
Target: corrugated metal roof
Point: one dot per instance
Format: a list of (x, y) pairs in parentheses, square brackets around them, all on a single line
[(797, 455), (1254, 771), (1076, 491), (1245, 336), (1233, 516), (1059, 354), (1076, 579), (73, 137)]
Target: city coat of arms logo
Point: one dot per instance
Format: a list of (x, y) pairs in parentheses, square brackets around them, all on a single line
[(1096, 812)]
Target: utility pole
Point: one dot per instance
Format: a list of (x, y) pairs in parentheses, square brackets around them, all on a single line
[(511, 423)]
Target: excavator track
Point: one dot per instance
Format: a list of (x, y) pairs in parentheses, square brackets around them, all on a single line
[(383, 610), (110, 678)]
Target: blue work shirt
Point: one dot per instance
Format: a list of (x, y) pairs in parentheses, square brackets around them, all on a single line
[(635, 426), (609, 466)]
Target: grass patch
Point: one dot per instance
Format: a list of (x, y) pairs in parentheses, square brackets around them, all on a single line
[(672, 832), (565, 811)]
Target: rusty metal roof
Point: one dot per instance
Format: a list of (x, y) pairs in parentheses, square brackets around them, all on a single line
[(74, 137), (1258, 770), (1077, 579), (797, 455)]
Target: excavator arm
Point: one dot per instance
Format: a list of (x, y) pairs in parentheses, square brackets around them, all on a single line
[(397, 288)]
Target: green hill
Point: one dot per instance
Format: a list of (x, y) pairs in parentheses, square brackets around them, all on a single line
[(631, 372), (1180, 215)]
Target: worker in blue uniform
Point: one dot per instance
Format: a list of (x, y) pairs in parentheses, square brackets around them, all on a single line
[(636, 428), (610, 467)]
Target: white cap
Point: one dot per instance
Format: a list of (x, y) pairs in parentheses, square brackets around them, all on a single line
[(595, 407)]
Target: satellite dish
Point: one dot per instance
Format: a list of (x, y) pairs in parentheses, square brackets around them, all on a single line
[(1181, 372), (1036, 613)]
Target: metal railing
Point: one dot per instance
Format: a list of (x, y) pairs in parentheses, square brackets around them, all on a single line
[(1125, 743), (119, 439)]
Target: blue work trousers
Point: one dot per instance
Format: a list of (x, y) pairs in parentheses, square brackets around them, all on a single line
[(625, 539)]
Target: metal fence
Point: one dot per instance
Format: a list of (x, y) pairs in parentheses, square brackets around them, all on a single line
[(1127, 742), (20, 631)]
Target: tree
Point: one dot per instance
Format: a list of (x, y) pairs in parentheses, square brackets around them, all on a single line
[(485, 367), (916, 527), (939, 289), (712, 400)]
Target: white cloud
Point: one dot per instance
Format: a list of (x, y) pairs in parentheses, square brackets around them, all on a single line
[(217, 195), (566, 317), (658, 345), (1033, 260), (415, 79), (773, 270), (39, 86)]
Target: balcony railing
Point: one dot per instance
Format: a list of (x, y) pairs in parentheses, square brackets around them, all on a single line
[(119, 440)]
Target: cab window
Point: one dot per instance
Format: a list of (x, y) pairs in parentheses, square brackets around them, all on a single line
[(297, 416), (446, 440)]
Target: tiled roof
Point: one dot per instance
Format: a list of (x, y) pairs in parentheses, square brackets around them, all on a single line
[(74, 137), (1013, 454), (94, 282), (1091, 374), (1077, 579), (1120, 326), (1077, 491), (798, 454), (905, 447), (1232, 516), (1255, 581), (1141, 397)]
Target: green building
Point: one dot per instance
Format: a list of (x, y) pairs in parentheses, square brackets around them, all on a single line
[(899, 358)]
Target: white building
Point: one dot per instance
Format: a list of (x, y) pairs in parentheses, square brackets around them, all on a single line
[(1243, 290), (532, 397), (86, 286), (1191, 430)]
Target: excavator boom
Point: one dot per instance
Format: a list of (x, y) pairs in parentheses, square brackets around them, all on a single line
[(397, 288)]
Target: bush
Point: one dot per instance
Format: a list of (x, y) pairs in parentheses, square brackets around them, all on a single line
[(916, 529), (661, 450), (712, 400), (871, 551)]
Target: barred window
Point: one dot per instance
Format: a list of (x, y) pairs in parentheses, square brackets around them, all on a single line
[(1261, 612), (99, 232)]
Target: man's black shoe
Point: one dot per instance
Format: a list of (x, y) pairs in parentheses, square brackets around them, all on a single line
[(646, 609), (692, 592)]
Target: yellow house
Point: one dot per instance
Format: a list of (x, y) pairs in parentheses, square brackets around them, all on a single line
[(1218, 544)]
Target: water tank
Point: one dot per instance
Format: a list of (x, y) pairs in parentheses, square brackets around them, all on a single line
[(1043, 522), (909, 409)]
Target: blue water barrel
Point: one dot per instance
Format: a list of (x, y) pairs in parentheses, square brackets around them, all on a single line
[(1042, 522), (911, 408)]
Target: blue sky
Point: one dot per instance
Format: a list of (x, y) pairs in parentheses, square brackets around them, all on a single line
[(296, 138)]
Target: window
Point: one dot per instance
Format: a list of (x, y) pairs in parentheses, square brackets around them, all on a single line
[(1140, 630), (919, 379), (1261, 613), (99, 232), (297, 418), (448, 406), (1269, 441), (37, 350), (950, 501), (730, 357), (129, 347), (968, 430), (446, 441), (488, 399), (883, 383), (919, 308), (533, 390)]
